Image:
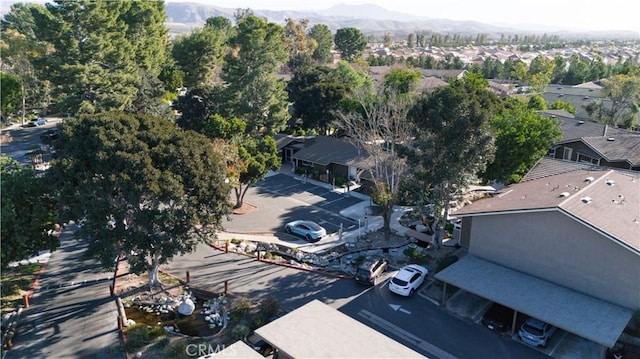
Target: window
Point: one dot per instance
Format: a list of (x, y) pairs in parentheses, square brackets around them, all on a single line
[(587, 159), (566, 153)]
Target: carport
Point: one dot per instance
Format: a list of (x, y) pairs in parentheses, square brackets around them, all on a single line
[(316, 330), (588, 317)]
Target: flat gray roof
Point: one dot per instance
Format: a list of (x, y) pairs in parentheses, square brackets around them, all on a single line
[(591, 318), (316, 330), (238, 349)]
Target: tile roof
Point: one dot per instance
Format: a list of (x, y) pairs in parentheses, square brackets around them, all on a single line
[(605, 199)]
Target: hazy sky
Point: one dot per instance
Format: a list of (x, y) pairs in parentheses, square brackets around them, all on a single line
[(571, 14)]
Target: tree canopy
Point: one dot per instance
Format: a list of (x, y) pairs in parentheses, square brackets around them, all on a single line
[(453, 140), (324, 41), (522, 137), (143, 188), (28, 216), (350, 42)]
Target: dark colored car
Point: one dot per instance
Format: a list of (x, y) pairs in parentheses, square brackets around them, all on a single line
[(50, 134), (370, 271), (498, 318)]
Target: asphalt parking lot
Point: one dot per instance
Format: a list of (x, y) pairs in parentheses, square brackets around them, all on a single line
[(282, 198)]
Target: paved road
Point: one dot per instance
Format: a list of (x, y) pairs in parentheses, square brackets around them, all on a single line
[(72, 314), (429, 329), (210, 268), (415, 321), (281, 199), (25, 140)]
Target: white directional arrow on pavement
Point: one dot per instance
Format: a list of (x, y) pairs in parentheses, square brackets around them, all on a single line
[(397, 307)]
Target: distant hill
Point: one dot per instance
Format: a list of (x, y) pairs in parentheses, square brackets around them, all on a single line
[(371, 20)]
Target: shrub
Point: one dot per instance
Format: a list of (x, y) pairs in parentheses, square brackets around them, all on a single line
[(240, 331), (236, 241), (140, 335), (269, 307), (340, 182), (177, 349), (239, 308), (412, 252)]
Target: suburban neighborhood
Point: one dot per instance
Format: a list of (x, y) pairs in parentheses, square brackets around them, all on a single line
[(255, 188)]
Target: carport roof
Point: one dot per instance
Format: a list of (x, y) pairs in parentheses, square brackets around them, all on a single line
[(591, 318), (316, 330)]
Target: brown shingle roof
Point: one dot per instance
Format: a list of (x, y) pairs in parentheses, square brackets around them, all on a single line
[(604, 199), (324, 150)]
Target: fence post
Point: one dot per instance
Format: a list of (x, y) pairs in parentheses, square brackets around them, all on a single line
[(188, 277), (25, 301), (226, 286), (226, 246)]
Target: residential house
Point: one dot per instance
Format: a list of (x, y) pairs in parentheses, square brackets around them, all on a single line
[(327, 159), (616, 148), (563, 246)]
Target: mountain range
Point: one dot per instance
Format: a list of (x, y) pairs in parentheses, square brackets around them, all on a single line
[(371, 20)]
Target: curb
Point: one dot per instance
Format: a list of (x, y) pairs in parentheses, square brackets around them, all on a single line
[(15, 320)]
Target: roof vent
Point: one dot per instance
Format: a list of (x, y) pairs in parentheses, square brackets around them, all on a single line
[(589, 179), (611, 138), (564, 194), (611, 182), (586, 200)]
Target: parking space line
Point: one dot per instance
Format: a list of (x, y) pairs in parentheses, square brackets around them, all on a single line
[(390, 327), (335, 200)]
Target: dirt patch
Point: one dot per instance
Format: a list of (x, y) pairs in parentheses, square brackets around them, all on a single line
[(245, 208)]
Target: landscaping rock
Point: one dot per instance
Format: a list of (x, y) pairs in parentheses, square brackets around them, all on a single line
[(186, 307)]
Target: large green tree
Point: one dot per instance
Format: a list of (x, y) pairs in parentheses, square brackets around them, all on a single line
[(143, 188), (453, 141), (522, 137), (315, 96), (28, 217), (252, 90), (350, 42), (621, 105), (99, 48), (10, 93), (198, 54), (324, 40)]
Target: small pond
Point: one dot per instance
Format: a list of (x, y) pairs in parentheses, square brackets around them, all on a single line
[(198, 324)]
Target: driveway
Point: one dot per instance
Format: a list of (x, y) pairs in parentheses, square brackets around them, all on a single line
[(282, 198)]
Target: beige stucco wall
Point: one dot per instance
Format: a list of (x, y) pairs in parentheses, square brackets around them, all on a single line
[(555, 247)]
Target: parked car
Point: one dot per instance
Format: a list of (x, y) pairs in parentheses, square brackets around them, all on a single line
[(370, 271), (50, 134), (311, 231), (536, 332), (407, 280), (38, 122), (498, 318)]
